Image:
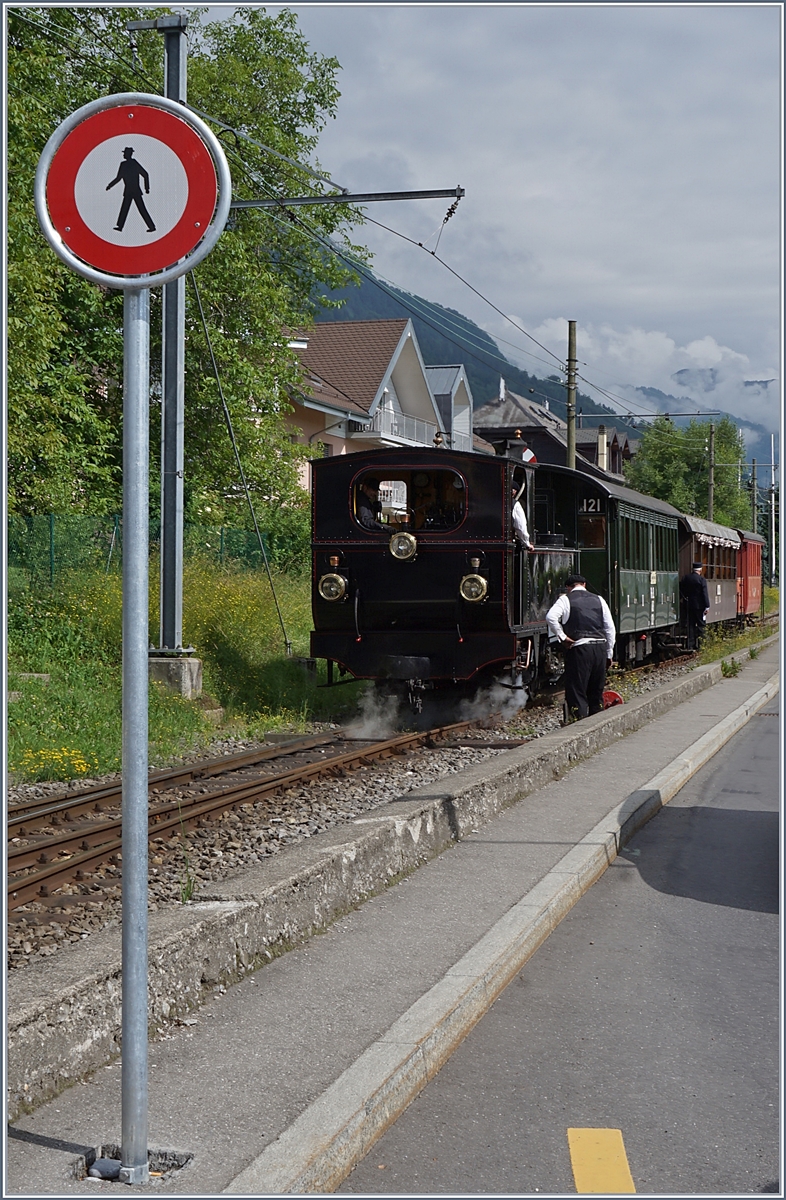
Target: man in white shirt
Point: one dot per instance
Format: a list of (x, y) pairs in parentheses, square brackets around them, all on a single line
[(520, 527), (582, 622)]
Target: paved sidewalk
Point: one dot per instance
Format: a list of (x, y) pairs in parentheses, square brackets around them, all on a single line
[(291, 1042)]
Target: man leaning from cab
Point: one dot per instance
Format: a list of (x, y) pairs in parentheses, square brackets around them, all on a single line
[(520, 527), (582, 623)]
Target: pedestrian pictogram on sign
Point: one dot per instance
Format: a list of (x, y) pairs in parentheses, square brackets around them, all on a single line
[(131, 174), (128, 187)]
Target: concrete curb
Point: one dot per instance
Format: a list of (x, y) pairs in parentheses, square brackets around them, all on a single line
[(320, 1148), (64, 1013)]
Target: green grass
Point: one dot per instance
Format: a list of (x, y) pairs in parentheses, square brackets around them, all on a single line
[(71, 726), (717, 644)]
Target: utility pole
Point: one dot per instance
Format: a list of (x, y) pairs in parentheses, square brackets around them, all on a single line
[(170, 641), (772, 510), (754, 499), (571, 414), (711, 490)]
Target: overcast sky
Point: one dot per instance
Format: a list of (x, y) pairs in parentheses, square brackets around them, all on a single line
[(622, 169)]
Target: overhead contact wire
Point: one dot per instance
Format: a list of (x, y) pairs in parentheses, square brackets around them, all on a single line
[(466, 283)]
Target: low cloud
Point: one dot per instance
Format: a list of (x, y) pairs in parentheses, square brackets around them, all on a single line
[(704, 371)]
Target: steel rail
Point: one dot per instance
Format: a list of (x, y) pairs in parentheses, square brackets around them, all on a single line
[(83, 800), (174, 815)]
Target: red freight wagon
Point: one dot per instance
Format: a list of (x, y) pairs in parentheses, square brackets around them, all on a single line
[(749, 574)]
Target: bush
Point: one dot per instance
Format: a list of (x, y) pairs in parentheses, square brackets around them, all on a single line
[(231, 617), (74, 633)]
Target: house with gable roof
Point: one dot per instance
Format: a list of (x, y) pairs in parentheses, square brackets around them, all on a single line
[(365, 386), (451, 391), (604, 448)]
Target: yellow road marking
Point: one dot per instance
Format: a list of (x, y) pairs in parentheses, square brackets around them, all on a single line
[(599, 1162)]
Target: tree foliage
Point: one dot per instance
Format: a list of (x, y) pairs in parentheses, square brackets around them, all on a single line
[(255, 75), (673, 464)]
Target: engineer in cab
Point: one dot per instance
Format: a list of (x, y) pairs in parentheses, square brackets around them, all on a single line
[(368, 509)]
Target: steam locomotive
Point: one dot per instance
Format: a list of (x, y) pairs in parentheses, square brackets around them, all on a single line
[(435, 592)]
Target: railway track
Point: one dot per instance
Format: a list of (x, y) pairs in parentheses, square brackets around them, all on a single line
[(66, 840), (76, 838)]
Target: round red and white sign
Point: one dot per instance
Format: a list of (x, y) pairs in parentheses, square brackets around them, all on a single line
[(132, 189)]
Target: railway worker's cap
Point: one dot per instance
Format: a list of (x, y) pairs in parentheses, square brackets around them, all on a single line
[(572, 580), (697, 566)]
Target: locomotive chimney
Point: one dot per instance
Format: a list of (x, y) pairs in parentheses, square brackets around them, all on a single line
[(515, 446)]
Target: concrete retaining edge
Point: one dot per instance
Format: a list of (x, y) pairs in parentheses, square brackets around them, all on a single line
[(64, 1014), (320, 1148)]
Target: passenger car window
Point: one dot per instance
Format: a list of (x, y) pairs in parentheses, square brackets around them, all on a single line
[(592, 532)]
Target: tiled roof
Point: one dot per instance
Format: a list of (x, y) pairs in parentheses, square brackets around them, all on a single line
[(352, 357), (516, 411), (322, 393), (481, 446), (589, 434)]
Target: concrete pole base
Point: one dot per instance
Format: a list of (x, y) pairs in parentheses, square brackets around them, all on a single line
[(180, 675)]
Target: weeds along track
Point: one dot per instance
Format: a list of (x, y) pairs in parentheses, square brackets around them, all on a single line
[(63, 841)]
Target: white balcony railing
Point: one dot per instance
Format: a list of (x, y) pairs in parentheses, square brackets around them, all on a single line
[(409, 429), (399, 425)]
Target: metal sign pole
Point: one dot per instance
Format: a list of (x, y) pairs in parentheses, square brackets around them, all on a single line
[(80, 220), (136, 388)]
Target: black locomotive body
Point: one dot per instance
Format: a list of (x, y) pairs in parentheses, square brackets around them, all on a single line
[(438, 592), (433, 590)]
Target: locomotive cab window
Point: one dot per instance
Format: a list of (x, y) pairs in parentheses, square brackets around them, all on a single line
[(417, 500)]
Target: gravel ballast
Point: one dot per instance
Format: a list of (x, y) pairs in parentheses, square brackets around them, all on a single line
[(251, 833)]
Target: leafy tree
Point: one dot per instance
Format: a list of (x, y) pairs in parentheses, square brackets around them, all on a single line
[(256, 75), (673, 464), (659, 469)]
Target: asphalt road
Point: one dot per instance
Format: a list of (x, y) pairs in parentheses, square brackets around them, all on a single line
[(653, 1009)]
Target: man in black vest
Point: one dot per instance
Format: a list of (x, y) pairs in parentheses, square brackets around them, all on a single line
[(582, 622), (695, 593)]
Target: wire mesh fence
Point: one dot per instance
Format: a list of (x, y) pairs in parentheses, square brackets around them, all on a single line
[(40, 548)]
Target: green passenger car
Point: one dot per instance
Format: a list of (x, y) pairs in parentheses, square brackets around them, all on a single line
[(628, 550)]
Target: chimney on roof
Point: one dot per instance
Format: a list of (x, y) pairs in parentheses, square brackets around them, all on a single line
[(501, 390), (603, 449)]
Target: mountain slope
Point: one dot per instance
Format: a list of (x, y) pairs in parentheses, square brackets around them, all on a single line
[(446, 336)]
